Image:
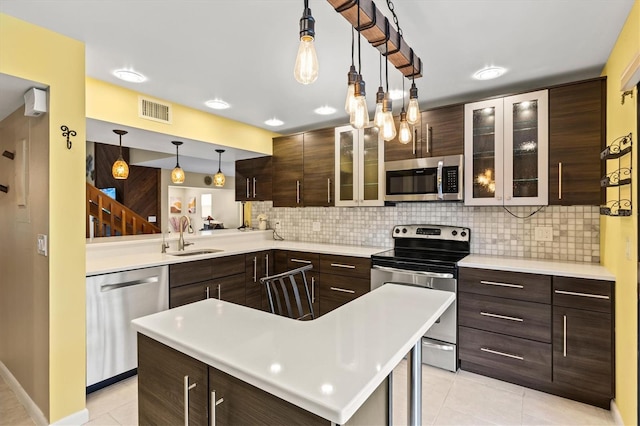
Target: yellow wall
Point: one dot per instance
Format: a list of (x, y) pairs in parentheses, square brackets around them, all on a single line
[(34, 53), (618, 233), (115, 104)]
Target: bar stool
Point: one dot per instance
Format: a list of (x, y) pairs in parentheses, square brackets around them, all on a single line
[(282, 288)]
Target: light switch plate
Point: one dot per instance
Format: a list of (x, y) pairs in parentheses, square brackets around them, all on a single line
[(316, 226), (42, 245), (543, 233)]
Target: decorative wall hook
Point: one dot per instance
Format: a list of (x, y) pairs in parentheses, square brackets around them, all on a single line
[(624, 95), (67, 133), (9, 155), (4, 189)]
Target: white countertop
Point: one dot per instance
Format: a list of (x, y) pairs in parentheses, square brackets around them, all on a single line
[(538, 266), (329, 366), (113, 256)]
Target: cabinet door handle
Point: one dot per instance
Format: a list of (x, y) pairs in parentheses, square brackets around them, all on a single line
[(343, 290), (564, 336), (328, 190), (574, 293), (214, 404), (254, 188), (187, 388), (313, 289), (487, 314), (297, 192), (501, 284), (207, 292), (340, 265), (560, 181), (219, 293), (248, 194), (300, 260), (266, 264), (428, 138), (415, 136), (491, 351), (255, 269)]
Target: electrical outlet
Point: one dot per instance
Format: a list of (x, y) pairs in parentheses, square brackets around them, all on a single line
[(543, 233), (42, 244), (316, 226)]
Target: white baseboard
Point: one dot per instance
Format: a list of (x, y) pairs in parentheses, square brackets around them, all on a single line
[(32, 409), (79, 418), (617, 417)]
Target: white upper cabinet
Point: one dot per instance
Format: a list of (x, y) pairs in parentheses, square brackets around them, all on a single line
[(506, 146), (359, 167)]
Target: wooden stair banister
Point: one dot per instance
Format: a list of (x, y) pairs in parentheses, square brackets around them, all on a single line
[(110, 214)]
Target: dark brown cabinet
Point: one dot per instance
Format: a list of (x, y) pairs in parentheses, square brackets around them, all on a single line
[(257, 265), (253, 179), (583, 338), (303, 169), (439, 132), (577, 128), (547, 332), (222, 278), (342, 279), (166, 379)]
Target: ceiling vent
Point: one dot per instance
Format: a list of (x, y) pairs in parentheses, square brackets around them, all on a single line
[(152, 109)]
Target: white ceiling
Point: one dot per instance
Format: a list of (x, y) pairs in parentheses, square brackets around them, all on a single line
[(243, 51)]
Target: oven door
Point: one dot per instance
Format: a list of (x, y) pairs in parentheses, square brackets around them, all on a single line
[(445, 329)]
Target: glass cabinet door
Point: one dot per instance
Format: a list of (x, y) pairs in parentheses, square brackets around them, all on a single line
[(372, 157), (346, 165), (526, 149), (484, 152)]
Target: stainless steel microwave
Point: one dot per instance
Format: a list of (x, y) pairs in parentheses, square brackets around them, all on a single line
[(425, 179)]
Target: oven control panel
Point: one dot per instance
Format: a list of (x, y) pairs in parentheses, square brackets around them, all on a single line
[(433, 232)]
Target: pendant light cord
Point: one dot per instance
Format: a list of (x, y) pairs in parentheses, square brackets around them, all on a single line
[(352, 47), (359, 59), (380, 69), (403, 93), (386, 56)]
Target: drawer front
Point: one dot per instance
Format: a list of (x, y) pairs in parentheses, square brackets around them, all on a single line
[(296, 259), (592, 295), (336, 290), (229, 265), (190, 293), (357, 267), (506, 354), (189, 272), (513, 317), (511, 285)]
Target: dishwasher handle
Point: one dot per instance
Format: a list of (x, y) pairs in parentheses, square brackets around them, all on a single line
[(110, 287)]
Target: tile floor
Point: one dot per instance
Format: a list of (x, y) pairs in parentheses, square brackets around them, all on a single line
[(460, 398)]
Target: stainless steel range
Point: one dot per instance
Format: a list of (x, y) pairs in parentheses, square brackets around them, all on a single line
[(426, 256)]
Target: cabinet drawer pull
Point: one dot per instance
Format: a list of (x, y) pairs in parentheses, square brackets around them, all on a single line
[(300, 261), (255, 269), (491, 351), (340, 265), (219, 293), (313, 289), (214, 403), (328, 190), (344, 290), (501, 284), (207, 292), (187, 388), (573, 293), (254, 188), (487, 314), (564, 336), (297, 192), (266, 264), (248, 193)]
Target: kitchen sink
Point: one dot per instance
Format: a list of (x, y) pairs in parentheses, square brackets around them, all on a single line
[(194, 252)]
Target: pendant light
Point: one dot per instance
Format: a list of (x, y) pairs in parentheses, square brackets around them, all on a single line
[(360, 115), (306, 68), (413, 110), (378, 119), (352, 76), (177, 174), (120, 169), (388, 125), (404, 133), (219, 178)]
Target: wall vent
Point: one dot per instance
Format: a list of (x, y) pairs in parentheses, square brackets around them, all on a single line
[(152, 109)]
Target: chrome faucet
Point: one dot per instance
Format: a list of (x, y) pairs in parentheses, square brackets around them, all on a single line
[(181, 242), (165, 245)]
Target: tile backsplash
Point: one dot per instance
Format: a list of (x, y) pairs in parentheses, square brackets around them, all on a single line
[(576, 229)]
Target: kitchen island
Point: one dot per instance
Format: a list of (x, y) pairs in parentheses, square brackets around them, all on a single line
[(329, 369)]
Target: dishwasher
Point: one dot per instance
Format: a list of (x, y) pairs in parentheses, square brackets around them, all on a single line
[(113, 300)]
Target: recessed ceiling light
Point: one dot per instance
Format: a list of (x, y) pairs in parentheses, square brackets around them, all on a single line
[(274, 122), (396, 94), (217, 104), (325, 110), (488, 73), (130, 76)]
